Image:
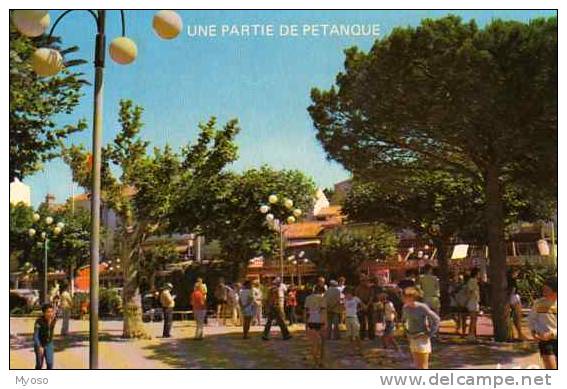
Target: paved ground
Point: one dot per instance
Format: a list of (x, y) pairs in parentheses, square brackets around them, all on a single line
[(224, 347)]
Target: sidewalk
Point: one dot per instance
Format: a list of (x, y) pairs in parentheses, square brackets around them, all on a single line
[(224, 347)]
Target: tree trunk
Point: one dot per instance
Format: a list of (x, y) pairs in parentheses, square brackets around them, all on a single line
[(443, 272), (152, 281), (133, 327), (497, 253), (240, 267)]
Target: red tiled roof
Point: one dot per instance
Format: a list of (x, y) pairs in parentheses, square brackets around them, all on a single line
[(332, 210), (304, 230), (127, 191)]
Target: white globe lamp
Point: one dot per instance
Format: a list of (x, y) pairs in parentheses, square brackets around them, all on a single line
[(123, 50), (167, 24), (31, 23), (46, 62)]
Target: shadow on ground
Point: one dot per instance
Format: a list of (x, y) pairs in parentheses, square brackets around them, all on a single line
[(231, 351)]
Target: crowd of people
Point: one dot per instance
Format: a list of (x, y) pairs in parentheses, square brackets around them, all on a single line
[(329, 309), (411, 306)]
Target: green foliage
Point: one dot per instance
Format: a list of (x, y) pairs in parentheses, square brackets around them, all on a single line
[(110, 302), (235, 218), (530, 280), (434, 204), (447, 95), (155, 258), (68, 250), (20, 243), (35, 102), (71, 248), (343, 250)]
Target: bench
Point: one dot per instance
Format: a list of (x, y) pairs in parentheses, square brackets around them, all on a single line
[(182, 315)]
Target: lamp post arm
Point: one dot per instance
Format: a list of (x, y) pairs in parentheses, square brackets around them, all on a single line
[(60, 17), (122, 17)]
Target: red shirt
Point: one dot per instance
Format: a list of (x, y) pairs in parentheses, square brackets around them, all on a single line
[(198, 301), (291, 298)]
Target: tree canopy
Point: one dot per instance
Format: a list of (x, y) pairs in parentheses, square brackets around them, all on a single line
[(343, 250), (36, 102)]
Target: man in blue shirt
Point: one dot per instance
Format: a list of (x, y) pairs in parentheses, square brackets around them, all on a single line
[(43, 337)]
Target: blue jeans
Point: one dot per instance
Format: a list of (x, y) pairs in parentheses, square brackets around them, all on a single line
[(47, 355)]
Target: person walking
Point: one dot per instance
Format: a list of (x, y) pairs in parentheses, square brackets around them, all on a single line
[(365, 293), (275, 311), (66, 306), (234, 303), (44, 328), (247, 307), (390, 315), (515, 304), (542, 321), (458, 302), (342, 286), (205, 291), (258, 303), (333, 304), (352, 306), (421, 323), (315, 321), (291, 305), (199, 304), (167, 301), (473, 302), (429, 285), (221, 297)]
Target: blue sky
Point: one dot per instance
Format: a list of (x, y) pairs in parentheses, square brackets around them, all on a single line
[(262, 81)]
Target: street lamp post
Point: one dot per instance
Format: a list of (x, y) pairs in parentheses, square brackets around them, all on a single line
[(48, 62), (45, 237), (279, 225)]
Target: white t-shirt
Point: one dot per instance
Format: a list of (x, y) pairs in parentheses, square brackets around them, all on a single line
[(389, 311), (257, 295), (351, 306), (473, 290), (314, 304), (245, 297)]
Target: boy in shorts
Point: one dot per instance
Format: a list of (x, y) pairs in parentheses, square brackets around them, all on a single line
[(542, 321), (421, 324), (352, 305)]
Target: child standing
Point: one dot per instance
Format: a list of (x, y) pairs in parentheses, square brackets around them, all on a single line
[(43, 337), (389, 322), (421, 324), (542, 321), (352, 305)]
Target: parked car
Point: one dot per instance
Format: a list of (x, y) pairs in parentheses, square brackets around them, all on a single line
[(24, 299)]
